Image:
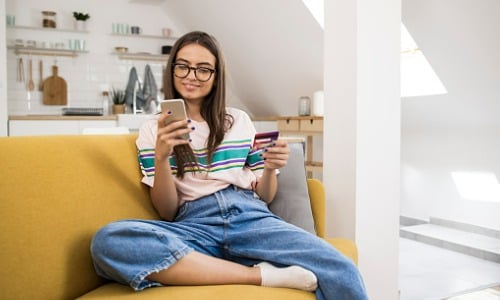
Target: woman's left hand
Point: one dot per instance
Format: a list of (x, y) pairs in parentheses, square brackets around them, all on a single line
[(276, 156)]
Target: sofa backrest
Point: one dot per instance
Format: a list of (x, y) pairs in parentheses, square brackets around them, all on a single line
[(56, 192)]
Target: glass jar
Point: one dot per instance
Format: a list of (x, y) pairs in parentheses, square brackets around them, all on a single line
[(49, 19), (105, 103), (304, 106)]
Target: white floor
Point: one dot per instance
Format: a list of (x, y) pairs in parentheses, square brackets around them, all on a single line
[(430, 273)]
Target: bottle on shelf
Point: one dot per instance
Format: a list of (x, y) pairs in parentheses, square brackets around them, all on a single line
[(105, 103), (304, 106)]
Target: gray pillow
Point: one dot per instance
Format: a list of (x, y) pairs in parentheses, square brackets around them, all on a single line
[(291, 202)]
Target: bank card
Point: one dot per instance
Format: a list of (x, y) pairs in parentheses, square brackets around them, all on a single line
[(265, 139)]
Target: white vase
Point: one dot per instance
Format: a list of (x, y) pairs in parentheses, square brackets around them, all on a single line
[(80, 25)]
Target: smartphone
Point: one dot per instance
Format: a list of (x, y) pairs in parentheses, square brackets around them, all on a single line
[(178, 112), (265, 139)]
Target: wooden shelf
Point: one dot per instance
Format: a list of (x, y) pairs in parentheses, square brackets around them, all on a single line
[(308, 126), (314, 166), (45, 51), (141, 56), (47, 29), (277, 118), (146, 36)]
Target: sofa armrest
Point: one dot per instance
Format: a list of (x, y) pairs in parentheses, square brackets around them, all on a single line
[(318, 207), (346, 247)]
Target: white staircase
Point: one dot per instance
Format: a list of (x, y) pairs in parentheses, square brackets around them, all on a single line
[(468, 239)]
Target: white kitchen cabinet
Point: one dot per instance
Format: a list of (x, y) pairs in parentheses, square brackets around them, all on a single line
[(55, 127)]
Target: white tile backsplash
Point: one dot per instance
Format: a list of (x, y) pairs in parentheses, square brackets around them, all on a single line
[(87, 74)]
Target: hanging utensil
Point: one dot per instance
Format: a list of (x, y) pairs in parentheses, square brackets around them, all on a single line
[(40, 71), (55, 89), (21, 70), (31, 83), (18, 70)]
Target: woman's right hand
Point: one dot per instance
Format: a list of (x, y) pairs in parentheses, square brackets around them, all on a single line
[(170, 135), (163, 193)]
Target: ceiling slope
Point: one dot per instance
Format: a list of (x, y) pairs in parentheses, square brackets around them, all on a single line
[(460, 40), (273, 49)]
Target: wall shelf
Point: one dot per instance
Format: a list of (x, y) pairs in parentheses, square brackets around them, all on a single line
[(147, 36), (45, 51), (47, 29), (142, 56)]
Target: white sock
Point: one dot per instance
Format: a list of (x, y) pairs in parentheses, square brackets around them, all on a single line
[(294, 277)]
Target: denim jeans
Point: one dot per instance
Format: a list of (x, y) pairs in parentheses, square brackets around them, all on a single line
[(231, 224)]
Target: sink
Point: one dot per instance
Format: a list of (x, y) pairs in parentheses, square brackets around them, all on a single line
[(133, 122)]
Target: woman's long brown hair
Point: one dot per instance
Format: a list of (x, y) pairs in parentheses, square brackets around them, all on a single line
[(213, 108)]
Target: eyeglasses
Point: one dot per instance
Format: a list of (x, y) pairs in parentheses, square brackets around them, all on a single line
[(201, 73)]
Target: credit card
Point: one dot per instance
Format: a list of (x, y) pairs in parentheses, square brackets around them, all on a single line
[(264, 139)]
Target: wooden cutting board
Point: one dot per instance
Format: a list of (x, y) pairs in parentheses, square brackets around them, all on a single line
[(55, 91)]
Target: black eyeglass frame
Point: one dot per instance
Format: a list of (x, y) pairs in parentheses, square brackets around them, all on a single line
[(194, 69)]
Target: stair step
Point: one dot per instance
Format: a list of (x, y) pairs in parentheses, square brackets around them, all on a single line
[(491, 232), (474, 244)]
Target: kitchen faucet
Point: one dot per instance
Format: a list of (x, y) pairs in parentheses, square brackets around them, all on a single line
[(134, 102)]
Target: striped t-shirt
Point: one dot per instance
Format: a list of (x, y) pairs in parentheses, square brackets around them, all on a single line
[(234, 162)]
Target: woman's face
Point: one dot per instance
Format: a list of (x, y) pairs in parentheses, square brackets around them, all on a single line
[(194, 56)]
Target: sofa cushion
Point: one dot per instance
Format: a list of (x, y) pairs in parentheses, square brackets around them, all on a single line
[(57, 191), (213, 292), (292, 201)]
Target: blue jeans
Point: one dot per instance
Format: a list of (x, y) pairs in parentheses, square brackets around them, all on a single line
[(224, 225)]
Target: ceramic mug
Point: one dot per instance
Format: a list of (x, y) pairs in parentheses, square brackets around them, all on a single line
[(31, 43), (165, 32), (11, 20), (135, 29)]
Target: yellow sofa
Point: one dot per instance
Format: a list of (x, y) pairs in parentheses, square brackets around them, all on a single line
[(57, 191)]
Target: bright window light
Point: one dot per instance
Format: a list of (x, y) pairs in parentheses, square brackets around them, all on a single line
[(417, 76), (317, 10), (478, 186)]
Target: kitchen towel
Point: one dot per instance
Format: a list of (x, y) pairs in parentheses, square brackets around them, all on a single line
[(150, 91), (129, 91)]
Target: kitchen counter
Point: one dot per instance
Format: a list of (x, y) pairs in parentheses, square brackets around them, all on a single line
[(23, 125), (60, 118)]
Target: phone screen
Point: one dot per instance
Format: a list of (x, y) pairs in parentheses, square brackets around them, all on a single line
[(178, 112)]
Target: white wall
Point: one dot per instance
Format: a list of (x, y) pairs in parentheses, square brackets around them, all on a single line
[(429, 159), (86, 74), (457, 131), (362, 134)]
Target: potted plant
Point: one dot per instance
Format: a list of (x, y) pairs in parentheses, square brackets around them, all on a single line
[(80, 20), (118, 98)]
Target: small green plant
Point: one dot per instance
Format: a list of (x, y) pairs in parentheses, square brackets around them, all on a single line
[(118, 96), (81, 16)]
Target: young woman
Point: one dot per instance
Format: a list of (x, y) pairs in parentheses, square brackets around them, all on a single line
[(212, 191)]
